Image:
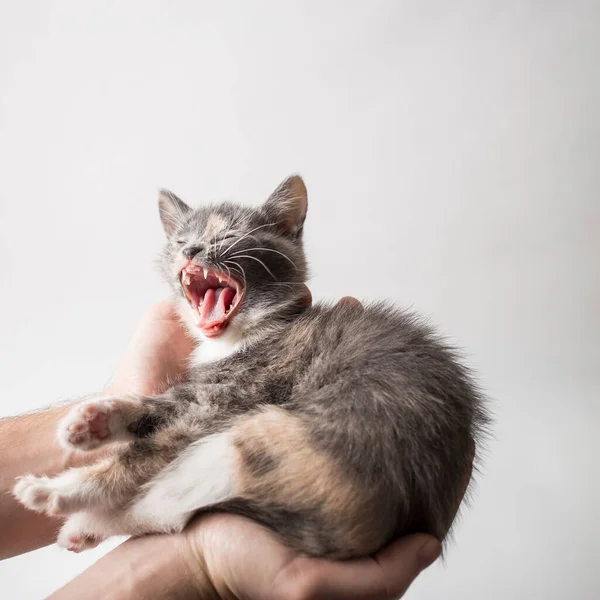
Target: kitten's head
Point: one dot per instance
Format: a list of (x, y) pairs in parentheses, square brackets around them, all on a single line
[(236, 267)]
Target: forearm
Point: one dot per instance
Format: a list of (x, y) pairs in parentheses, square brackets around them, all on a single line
[(29, 445), (150, 567), (156, 567)]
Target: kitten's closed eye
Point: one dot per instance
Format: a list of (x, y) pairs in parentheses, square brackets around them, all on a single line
[(229, 236), (217, 240)]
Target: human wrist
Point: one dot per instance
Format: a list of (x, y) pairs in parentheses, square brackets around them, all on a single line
[(29, 446), (166, 569), (194, 571), (30, 443), (153, 567)]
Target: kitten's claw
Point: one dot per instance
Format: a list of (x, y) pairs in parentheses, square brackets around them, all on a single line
[(92, 424)]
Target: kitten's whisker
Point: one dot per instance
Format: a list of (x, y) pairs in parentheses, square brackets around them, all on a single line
[(235, 264), (247, 234), (258, 261), (228, 271), (237, 268), (268, 250)]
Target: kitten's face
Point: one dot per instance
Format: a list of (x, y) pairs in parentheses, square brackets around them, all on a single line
[(235, 266)]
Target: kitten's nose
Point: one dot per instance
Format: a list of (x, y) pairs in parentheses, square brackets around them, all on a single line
[(191, 251)]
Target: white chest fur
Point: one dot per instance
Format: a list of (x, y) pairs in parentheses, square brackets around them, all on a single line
[(211, 350)]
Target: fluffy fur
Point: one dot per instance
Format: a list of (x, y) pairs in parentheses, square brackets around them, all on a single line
[(336, 427)]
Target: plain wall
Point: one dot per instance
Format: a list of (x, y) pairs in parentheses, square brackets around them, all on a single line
[(452, 156)]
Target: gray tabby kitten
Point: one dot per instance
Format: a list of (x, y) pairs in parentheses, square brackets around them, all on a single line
[(337, 428)]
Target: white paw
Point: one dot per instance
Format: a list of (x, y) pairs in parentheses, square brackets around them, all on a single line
[(43, 494), (77, 541), (93, 423), (32, 492), (82, 531)]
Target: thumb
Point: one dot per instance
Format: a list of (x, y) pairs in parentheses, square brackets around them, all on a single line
[(403, 560)]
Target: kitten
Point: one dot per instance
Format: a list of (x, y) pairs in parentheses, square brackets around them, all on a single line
[(336, 427)]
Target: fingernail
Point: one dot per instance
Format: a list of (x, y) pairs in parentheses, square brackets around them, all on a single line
[(429, 552)]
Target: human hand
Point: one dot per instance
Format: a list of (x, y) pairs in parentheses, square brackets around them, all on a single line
[(240, 559), (157, 354)]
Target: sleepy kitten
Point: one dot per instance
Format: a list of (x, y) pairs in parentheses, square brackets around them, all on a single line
[(337, 428)]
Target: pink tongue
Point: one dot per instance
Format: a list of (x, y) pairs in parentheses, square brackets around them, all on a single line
[(216, 302)]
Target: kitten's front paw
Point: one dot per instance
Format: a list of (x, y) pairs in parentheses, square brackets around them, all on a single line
[(93, 423), (41, 495)]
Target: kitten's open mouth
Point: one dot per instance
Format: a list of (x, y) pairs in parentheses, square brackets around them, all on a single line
[(214, 297)]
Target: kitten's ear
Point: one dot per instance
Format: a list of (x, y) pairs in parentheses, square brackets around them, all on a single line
[(287, 205), (173, 211)]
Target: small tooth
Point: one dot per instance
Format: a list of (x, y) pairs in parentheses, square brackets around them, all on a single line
[(205, 272), (219, 278)]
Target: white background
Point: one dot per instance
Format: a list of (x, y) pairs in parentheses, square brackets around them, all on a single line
[(452, 156)]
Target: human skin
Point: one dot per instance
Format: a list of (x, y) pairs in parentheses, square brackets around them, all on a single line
[(157, 354), (218, 555)]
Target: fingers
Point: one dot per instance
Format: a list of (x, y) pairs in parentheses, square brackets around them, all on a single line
[(404, 559), (307, 298), (348, 301), (385, 576)]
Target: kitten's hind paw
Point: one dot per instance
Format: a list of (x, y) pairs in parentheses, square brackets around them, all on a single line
[(32, 492), (53, 496), (77, 542), (94, 423), (80, 532)]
